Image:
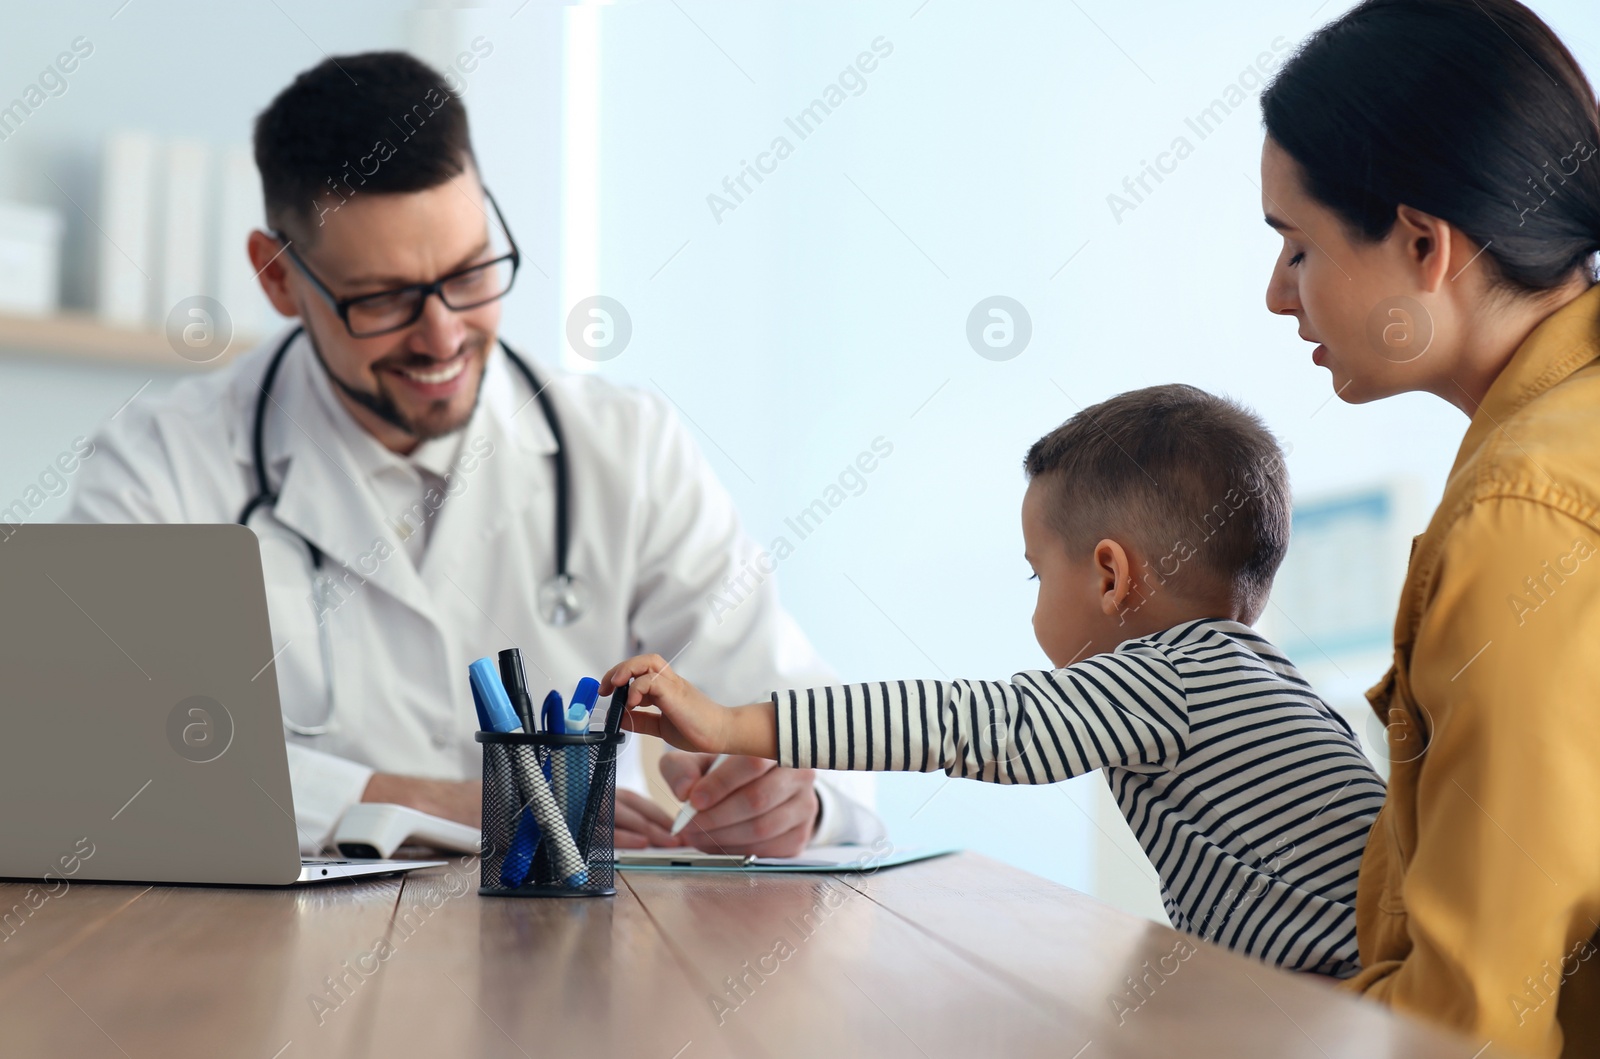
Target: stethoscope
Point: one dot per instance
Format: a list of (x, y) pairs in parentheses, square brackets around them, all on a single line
[(562, 599)]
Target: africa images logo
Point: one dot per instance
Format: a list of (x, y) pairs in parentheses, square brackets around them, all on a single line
[(200, 729)]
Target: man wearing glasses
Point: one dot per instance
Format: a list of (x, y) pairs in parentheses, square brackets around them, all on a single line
[(424, 496)]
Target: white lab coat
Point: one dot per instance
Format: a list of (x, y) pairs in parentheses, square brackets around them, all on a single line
[(653, 533)]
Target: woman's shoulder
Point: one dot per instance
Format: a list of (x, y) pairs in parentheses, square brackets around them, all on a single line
[(1546, 453), (1526, 494)]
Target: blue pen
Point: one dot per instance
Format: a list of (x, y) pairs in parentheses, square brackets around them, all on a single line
[(524, 842), (535, 791), (550, 712), (555, 766)]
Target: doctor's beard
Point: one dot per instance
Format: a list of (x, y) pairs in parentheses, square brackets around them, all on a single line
[(383, 405)]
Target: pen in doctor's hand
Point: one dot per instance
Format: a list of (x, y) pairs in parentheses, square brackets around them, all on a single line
[(688, 811)]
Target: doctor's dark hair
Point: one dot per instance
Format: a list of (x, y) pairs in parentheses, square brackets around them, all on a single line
[(377, 123), (1472, 111), (1194, 481)]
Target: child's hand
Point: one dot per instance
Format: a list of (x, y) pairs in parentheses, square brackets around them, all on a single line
[(688, 719)]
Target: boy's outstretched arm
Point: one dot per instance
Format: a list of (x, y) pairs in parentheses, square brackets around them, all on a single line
[(688, 719), (1126, 708)]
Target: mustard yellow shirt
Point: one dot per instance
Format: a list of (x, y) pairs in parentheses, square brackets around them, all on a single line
[(1479, 897)]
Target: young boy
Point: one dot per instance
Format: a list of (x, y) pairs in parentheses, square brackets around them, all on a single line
[(1154, 523)]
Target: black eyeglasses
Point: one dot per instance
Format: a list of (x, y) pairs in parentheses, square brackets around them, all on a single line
[(379, 313)]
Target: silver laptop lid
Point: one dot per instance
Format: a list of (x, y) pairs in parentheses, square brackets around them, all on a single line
[(140, 732)]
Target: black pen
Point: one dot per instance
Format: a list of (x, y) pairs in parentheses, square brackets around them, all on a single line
[(603, 768), (516, 682)]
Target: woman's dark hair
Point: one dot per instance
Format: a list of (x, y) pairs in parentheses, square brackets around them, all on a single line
[(1470, 110)]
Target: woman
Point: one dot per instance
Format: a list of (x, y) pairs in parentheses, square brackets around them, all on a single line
[(1432, 167)]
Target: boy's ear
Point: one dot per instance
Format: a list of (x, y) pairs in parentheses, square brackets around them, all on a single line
[(1114, 572)]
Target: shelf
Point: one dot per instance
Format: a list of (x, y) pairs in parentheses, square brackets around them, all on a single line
[(80, 336)]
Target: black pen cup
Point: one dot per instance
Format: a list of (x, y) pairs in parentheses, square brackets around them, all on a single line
[(549, 806)]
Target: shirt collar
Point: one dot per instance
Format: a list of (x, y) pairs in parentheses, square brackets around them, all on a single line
[(1563, 342)]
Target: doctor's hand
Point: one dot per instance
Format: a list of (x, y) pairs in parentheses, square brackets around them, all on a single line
[(458, 800), (745, 804), (641, 823)]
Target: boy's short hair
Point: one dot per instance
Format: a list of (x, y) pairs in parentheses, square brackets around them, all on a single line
[(381, 122), (1195, 481)]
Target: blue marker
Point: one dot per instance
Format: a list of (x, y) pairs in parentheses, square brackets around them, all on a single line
[(519, 857), (485, 678), (582, 705), (579, 709), (495, 716), (484, 725)]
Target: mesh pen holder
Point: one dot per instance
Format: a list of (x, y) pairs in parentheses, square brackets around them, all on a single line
[(549, 804)]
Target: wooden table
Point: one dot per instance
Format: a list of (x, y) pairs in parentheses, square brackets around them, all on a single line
[(956, 956)]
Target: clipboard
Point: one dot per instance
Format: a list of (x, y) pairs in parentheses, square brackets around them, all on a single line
[(820, 859)]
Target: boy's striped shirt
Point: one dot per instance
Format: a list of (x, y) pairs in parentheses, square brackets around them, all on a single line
[(1250, 795)]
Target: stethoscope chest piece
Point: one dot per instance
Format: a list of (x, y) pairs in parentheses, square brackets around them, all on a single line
[(563, 599)]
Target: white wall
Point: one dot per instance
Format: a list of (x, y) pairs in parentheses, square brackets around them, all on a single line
[(830, 307)]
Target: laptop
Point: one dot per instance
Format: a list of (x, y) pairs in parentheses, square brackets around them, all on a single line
[(141, 738)]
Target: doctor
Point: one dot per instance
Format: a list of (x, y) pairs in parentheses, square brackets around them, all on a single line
[(425, 496)]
